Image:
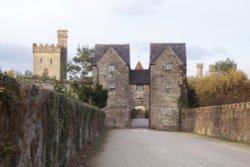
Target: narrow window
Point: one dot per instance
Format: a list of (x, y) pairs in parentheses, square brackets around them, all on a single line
[(51, 61), (41, 61), (168, 85), (111, 86), (111, 68), (139, 87), (168, 66)]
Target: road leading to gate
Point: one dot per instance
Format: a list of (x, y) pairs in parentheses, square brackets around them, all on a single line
[(147, 148)]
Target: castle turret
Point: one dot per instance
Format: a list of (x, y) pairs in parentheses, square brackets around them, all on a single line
[(51, 59), (62, 37), (199, 67)]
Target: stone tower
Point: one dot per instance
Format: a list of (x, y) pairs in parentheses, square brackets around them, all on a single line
[(111, 70), (157, 89), (62, 38), (199, 67), (51, 59), (167, 81)]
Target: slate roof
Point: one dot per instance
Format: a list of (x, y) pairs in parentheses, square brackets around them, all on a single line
[(122, 50), (139, 77), (156, 49)]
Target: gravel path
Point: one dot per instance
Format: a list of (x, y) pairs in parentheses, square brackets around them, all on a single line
[(147, 148)]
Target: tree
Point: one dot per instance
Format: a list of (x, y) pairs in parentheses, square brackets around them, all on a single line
[(225, 65), (192, 97), (28, 73), (80, 71), (100, 96), (97, 96), (10, 73), (230, 87), (81, 66)]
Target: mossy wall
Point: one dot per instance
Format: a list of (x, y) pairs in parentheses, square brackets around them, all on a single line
[(41, 128)]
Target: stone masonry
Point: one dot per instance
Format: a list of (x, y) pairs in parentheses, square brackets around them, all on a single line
[(165, 88), (157, 89), (230, 121), (112, 72), (51, 60)]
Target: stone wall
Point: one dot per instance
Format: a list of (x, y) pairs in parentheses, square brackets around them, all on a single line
[(139, 97), (117, 115), (41, 128), (51, 59), (229, 122), (164, 112), (119, 92), (47, 63)]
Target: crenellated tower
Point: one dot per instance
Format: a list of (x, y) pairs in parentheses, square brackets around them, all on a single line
[(199, 67), (62, 37), (51, 59)]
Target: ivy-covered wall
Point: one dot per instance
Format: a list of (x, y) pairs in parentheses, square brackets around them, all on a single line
[(42, 128)]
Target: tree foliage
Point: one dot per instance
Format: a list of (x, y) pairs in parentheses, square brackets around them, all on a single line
[(225, 65), (81, 65), (97, 96), (231, 86), (10, 73), (188, 99), (192, 97), (80, 70)]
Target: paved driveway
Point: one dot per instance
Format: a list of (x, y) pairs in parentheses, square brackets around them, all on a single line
[(139, 123), (147, 148)]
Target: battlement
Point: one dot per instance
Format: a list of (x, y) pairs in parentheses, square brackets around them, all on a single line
[(46, 48), (199, 65), (62, 33)]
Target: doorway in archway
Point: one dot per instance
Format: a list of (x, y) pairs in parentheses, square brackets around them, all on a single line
[(139, 117)]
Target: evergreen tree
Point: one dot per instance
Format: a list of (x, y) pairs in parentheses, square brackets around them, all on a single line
[(80, 71), (81, 66)]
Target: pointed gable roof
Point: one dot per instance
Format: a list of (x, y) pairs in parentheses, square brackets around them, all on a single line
[(139, 66), (122, 50), (156, 49)]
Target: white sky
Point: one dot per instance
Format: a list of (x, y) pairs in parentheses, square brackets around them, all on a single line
[(212, 30)]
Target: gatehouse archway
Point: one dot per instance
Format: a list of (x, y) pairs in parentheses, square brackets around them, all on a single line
[(139, 116)]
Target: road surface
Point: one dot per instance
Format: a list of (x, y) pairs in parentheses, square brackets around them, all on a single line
[(148, 148), (139, 123)]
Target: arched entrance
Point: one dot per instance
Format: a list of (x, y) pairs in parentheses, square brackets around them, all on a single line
[(139, 117)]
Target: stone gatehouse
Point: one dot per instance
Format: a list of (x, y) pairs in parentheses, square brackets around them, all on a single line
[(157, 88)]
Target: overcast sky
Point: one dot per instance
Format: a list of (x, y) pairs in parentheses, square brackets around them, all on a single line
[(212, 30)]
